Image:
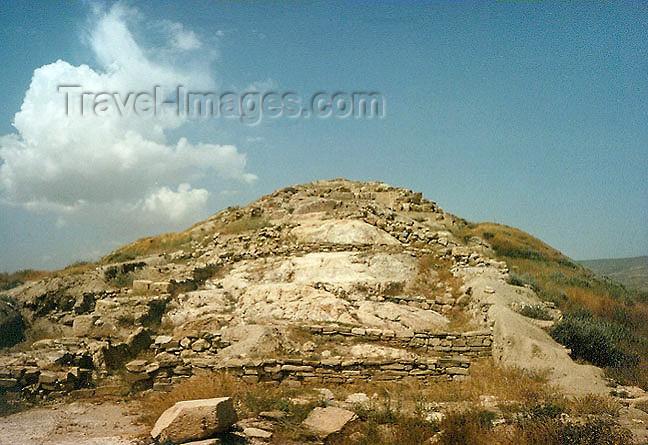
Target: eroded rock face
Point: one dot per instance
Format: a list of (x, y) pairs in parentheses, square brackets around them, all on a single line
[(194, 420), (11, 324), (519, 342), (342, 232)]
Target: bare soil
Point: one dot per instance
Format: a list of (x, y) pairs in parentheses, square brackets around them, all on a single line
[(76, 423)]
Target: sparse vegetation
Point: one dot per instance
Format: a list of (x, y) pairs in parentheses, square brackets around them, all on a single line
[(467, 427), (15, 279), (593, 404), (249, 399), (167, 242), (382, 424), (244, 224), (595, 340), (557, 279), (424, 286), (537, 311)]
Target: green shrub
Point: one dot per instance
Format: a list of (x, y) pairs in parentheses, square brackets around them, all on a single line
[(556, 432), (594, 432), (571, 280), (512, 252), (537, 311), (120, 257), (541, 412), (522, 280), (594, 340)]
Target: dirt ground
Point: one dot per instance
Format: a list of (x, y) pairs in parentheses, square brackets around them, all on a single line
[(76, 423)]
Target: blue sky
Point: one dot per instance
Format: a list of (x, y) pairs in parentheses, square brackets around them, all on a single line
[(531, 114)]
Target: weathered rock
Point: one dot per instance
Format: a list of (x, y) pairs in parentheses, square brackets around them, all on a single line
[(136, 365), (214, 441), (194, 420), (359, 398), (326, 394), (163, 340), (167, 360), (200, 345), (11, 324), (256, 433), (7, 383), (141, 286), (326, 421), (272, 415), (91, 325), (138, 340), (160, 287)]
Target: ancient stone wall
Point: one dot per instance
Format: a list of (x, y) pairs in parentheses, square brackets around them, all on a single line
[(468, 344)]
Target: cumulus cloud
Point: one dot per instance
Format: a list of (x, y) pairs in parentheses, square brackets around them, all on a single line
[(176, 205), (73, 164)]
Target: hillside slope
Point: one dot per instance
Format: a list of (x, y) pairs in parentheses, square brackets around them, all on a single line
[(631, 272)]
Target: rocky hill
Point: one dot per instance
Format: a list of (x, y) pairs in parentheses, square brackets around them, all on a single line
[(333, 282)]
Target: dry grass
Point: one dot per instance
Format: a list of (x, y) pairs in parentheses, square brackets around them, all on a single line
[(594, 404), (398, 413), (148, 246), (244, 224), (249, 399), (506, 384), (423, 285), (15, 279)]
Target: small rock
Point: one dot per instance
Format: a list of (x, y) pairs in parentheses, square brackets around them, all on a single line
[(167, 360), (214, 441), (257, 433), (326, 394), (47, 377), (162, 340), (272, 415), (359, 398), (435, 416), (136, 365), (150, 368), (200, 345), (141, 286), (299, 401)]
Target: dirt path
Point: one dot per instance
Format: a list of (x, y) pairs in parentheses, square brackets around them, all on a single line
[(77, 423)]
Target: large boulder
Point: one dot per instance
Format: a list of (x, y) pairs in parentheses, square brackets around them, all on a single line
[(326, 421), (11, 324), (194, 420)]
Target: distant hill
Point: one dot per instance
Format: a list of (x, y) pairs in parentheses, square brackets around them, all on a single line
[(631, 272)]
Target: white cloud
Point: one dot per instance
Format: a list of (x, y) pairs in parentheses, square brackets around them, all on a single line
[(184, 40), (88, 164), (178, 206)]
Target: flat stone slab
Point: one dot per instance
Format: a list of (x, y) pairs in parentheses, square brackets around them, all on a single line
[(325, 421)]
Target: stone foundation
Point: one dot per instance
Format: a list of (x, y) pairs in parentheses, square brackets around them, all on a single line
[(469, 344)]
